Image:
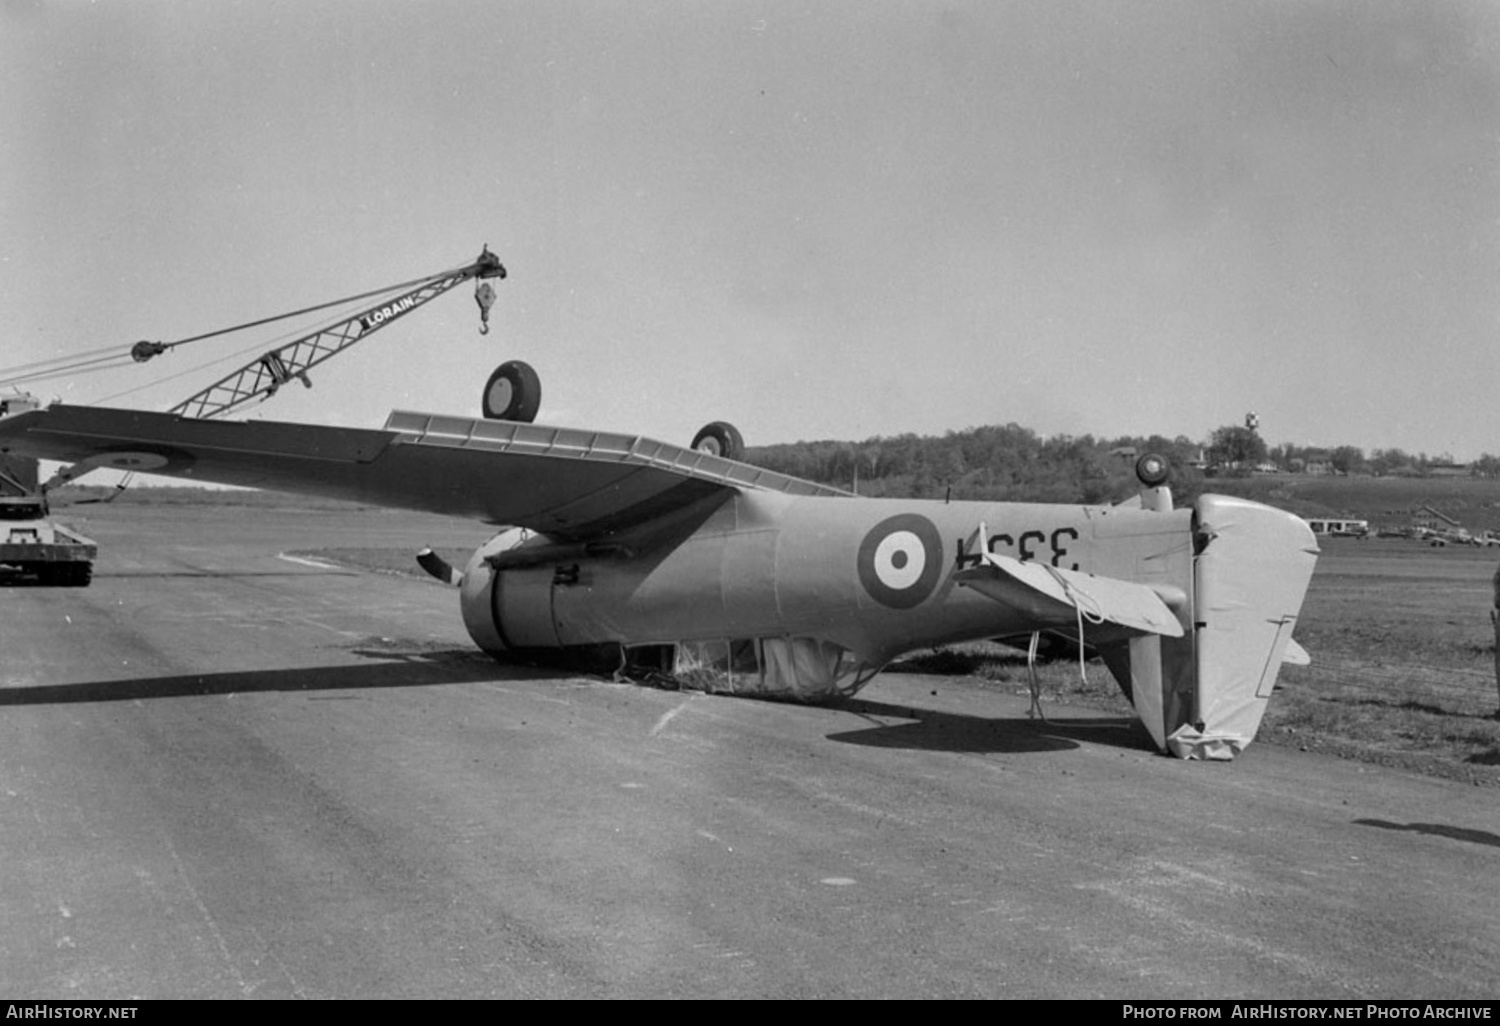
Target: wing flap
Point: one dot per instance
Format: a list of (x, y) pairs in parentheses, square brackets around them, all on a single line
[(1054, 597)]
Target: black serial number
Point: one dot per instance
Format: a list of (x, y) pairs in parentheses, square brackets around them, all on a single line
[(1038, 545)]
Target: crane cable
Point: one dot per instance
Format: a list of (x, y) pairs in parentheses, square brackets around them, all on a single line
[(42, 370), (238, 354), (310, 309), (140, 352)]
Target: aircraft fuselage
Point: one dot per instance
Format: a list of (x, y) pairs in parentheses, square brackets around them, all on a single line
[(871, 575)]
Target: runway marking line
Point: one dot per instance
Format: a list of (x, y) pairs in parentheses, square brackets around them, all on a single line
[(668, 716), (316, 564), (526, 694)]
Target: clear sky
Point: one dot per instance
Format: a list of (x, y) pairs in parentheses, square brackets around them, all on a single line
[(815, 219)]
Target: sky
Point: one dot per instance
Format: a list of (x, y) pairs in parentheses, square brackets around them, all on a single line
[(832, 219)]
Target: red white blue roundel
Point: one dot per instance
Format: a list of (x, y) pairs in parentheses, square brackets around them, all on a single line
[(900, 560), (144, 458)]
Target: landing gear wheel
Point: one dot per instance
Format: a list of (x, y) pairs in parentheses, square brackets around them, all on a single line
[(1152, 470), (514, 392), (720, 439)]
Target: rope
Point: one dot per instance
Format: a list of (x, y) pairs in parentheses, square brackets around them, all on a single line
[(1094, 614), (1036, 685)]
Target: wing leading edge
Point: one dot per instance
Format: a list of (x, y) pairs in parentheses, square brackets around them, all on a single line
[(564, 482)]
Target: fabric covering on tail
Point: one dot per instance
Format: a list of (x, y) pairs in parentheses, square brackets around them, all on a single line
[(1202, 696), (1251, 577)]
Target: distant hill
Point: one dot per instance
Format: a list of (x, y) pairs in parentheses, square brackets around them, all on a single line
[(1014, 464)]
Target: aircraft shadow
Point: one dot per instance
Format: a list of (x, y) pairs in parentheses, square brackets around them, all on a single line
[(389, 670), (310, 572), (949, 732), (1437, 830), (12, 579)]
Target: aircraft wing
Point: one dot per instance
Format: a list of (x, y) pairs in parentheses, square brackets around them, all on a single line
[(569, 483), (1056, 597)]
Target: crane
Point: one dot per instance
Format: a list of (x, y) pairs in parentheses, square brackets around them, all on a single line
[(263, 376)]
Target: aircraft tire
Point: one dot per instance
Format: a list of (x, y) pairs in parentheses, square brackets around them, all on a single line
[(719, 438), (1152, 470), (513, 392)]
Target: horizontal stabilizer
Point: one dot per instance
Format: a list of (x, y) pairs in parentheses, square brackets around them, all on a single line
[(1295, 654), (1057, 597)]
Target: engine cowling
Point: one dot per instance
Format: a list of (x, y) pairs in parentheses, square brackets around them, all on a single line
[(477, 590)]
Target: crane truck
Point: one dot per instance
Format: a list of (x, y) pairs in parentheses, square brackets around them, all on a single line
[(32, 544)]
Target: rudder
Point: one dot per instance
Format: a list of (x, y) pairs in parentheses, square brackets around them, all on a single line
[(1203, 696)]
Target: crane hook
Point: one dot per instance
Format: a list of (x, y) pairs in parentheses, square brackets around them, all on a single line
[(484, 295)]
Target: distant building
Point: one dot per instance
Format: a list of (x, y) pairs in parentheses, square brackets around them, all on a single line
[(1347, 528), (1425, 518)]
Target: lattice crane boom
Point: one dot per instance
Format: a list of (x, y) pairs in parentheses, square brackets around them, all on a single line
[(263, 376)]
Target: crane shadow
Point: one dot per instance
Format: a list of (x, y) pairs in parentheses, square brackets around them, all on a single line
[(1437, 830), (385, 669)]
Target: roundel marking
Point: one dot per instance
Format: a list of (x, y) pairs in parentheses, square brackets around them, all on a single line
[(900, 560), (131, 460), (156, 457)]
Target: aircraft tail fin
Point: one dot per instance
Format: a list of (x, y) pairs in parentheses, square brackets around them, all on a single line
[(1202, 696)]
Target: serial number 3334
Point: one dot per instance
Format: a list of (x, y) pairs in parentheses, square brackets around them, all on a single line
[(1038, 545)]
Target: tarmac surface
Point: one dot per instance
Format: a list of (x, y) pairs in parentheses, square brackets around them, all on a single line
[(225, 773)]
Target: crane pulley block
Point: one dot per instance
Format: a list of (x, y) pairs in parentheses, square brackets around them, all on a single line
[(484, 295), (143, 350), (489, 265)]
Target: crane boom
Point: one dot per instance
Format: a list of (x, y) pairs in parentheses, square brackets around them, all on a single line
[(266, 373)]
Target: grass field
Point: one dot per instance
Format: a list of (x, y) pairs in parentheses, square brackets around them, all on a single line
[(1403, 658), (1383, 501), (1402, 673)]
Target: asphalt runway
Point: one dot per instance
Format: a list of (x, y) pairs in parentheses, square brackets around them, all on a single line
[(228, 774)]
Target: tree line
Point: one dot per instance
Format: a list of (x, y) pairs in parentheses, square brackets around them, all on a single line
[(1008, 462), (1015, 464), (1236, 448)]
